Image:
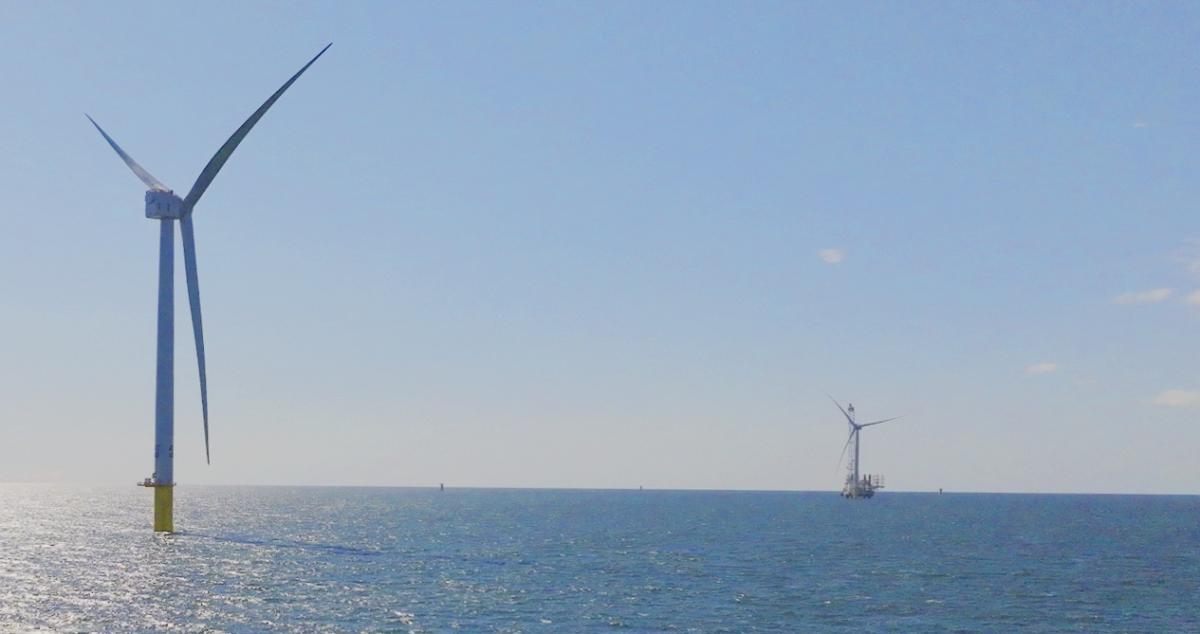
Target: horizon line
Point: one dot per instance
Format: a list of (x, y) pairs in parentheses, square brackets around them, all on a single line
[(576, 488)]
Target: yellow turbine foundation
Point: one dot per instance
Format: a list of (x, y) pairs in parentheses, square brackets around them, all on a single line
[(164, 504)]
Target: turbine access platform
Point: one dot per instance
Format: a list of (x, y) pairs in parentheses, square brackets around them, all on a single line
[(864, 487)]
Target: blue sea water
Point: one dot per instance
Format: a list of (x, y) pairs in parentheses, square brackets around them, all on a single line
[(251, 559)]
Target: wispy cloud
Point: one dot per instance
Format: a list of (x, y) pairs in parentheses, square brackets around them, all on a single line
[(1193, 298), (1141, 124), (1041, 368), (1191, 258), (831, 256), (1152, 296), (1178, 398)]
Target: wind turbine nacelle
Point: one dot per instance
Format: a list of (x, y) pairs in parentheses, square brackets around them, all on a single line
[(160, 204)]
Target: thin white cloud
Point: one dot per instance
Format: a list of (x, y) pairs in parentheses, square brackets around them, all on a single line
[(1178, 398), (1193, 298), (831, 256), (1041, 368), (1152, 296), (1140, 124), (1189, 257), (1193, 264)]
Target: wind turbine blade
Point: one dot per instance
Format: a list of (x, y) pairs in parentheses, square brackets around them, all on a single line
[(193, 291), (138, 170), (844, 413), (878, 422), (218, 160), (844, 448)]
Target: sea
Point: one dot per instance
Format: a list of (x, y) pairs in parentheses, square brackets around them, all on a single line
[(311, 559)]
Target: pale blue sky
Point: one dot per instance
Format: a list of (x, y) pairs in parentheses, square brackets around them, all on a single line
[(572, 244)]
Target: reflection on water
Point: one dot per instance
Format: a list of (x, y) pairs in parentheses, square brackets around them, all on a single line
[(313, 559)]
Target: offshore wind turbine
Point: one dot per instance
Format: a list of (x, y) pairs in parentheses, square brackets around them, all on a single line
[(163, 205), (858, 487)]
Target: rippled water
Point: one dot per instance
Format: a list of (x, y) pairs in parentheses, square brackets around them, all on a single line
[(398, 560)]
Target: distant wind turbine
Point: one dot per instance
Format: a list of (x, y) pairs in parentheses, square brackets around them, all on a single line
[(163, 205), (856, 487)]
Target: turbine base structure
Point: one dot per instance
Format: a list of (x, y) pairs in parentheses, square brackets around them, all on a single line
[(164, 507), (864, 487)]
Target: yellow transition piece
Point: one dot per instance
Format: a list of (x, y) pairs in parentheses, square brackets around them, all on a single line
[(163, 508)]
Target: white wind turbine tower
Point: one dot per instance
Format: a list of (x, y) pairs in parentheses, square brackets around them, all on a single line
[(856, 486), (163, 205)]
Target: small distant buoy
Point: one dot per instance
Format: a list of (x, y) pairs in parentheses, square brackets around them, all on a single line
[(939, 491), (441, 486)]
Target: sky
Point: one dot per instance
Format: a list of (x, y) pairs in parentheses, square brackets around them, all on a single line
[(612, 244)]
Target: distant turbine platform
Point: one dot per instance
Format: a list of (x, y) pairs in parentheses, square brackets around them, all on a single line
[(864, 487)]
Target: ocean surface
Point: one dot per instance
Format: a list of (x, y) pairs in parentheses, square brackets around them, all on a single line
[(251, 559)]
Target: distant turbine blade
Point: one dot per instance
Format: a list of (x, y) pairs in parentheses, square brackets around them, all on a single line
[(844, 448), (138, 170), (878, 422), (193, 290), (218, 160), (839, 406)]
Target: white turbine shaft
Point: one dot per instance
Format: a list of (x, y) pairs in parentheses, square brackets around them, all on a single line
[(164, 395), (854, 430), (857, 435)]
